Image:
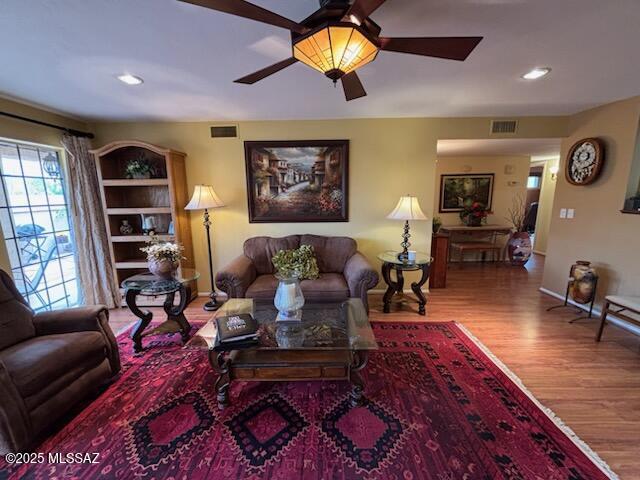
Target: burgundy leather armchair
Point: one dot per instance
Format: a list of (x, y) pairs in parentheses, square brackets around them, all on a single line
[(48, 362), (344, 272)]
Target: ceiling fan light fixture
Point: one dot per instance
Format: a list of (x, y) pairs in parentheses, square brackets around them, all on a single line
[(335, 50)]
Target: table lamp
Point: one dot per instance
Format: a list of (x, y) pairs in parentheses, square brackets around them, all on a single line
[(204, 198), (407, 209)]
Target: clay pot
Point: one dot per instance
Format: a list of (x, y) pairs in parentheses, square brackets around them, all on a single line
[(519, 248), (163, 268), (584, 283)]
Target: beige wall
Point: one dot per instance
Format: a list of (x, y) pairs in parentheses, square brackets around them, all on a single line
[(599, 232), (545, 208), (29, 132), (506, 186), (388, 158)]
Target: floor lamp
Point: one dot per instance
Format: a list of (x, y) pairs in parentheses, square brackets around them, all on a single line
[(204, 198)]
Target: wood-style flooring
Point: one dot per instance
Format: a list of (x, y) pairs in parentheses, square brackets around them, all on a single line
[(594, 388)]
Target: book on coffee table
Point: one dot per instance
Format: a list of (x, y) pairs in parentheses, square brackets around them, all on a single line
[(237, 328)]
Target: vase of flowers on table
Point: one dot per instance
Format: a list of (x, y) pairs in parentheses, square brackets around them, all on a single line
[(292, 266), (519, 245), (163, 257), (473, 212)]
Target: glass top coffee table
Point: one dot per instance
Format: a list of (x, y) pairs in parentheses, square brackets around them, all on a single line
[(331, 342), (148, 284)]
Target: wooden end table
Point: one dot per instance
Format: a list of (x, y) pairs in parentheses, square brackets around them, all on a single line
[(391, 262), (148, 284), (331, 342)]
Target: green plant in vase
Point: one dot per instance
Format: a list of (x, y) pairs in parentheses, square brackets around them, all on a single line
[(293, 266), (436, 224), (139, 168)]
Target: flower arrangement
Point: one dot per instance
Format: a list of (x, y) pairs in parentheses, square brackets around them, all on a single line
[(473, 212), (163, 257), (139, 168), (158, 251), (299, 263)]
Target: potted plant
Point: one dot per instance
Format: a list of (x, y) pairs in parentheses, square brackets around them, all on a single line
[(473, 212), (293, 266), (139, 168), (436, 224), (163, 257), (519, 245)]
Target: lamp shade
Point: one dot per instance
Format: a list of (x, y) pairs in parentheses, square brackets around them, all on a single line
[(204, 197), (407, 208)]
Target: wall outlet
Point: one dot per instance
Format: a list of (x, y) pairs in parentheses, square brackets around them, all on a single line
[(563, 213), (571, 213)]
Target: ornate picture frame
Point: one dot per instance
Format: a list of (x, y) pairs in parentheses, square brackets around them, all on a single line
[(297, 181), (454, 188)]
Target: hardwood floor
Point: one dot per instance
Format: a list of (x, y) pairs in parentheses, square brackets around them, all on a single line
[(594, 388)]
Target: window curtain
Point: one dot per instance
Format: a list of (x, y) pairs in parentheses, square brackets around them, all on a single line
[(95, 273)]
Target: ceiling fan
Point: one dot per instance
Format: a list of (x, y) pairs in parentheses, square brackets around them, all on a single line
[(339, 38)]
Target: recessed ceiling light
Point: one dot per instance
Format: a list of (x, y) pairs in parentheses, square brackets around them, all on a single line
[(130, 79), (536, 73)]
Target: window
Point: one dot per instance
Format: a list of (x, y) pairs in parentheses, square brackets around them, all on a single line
[(35, 221), (533, 181)]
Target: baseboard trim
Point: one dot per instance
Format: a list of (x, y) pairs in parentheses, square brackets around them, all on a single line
[(597, 311)]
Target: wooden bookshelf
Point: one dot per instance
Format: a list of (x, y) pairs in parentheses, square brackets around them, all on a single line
[(163, 197)]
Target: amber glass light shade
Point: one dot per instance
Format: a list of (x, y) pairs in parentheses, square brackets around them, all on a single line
[(335, 50)]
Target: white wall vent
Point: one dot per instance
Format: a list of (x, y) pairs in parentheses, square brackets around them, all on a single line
[(504, 127), (224, 131)]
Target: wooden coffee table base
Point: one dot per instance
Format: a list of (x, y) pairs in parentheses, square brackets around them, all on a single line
[(286, 366)]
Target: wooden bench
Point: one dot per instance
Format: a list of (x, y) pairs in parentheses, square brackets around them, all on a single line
[(483, 247), (620, 307)]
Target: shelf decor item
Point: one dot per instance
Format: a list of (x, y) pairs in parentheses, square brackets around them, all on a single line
[(163, 257), (139, 169), (519, 245), (126, 228), (204, 198), (407, 209), (473, 213)]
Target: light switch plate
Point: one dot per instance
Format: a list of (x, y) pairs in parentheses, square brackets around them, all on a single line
[(563, 213), (571, 213)]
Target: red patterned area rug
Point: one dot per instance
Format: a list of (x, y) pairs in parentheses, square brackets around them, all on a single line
[(437, 405)]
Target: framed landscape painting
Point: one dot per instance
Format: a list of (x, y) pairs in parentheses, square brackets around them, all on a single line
[(454, 189), (297, 181)]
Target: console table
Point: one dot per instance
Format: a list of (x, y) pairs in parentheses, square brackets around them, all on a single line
[(490, 232)]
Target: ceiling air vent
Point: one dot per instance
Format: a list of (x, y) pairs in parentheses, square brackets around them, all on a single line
[(502, 127), (224, 131)]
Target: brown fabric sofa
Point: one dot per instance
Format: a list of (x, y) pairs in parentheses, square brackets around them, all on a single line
[(344, 272), (48, 362)]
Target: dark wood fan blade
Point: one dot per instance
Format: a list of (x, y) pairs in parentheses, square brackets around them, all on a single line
[(251, 11), (265, 72), (352, 86), (361, 9), (452, 48)]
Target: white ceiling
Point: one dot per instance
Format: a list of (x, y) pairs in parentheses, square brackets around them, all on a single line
[(540, 148), (65, 54)]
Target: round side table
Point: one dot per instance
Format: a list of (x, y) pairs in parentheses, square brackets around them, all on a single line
[(149, 285), (390, 261)]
